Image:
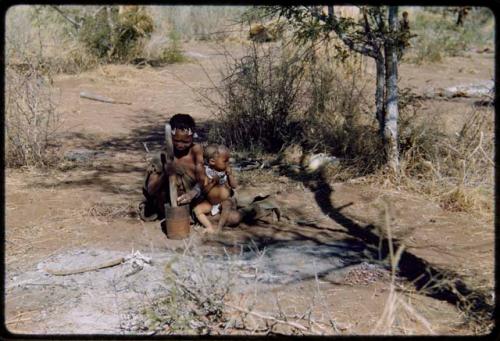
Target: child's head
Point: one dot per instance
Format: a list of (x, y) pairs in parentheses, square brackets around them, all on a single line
[(217, 156), (405, 15), (182, 131)]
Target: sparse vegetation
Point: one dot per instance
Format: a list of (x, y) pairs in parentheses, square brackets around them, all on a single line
[(272, 100), (199, 22), (260, 96), (173, 52), (201, 302), (456, 170), (77, 38), (278, 103), (438, 36), (31, 119)]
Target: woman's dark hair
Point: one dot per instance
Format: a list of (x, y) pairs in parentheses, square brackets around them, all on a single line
[(182, 121)]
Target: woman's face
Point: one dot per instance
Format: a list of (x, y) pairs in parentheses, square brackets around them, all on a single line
[(182, 140)]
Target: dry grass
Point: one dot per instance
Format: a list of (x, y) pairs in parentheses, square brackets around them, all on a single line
[(438, 36), (457, 170), (198, 22), (396, 310)]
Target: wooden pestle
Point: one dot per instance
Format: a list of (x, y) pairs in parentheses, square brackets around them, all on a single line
[(172, 179)]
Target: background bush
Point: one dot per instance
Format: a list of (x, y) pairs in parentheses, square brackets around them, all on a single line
[(438, 36), (259, 97), (31, 120), (273, 98)]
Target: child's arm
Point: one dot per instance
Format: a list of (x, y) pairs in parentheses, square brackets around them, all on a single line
[(231, 179), (210, 183)]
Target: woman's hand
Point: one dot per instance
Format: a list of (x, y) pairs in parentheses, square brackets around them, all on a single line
[(187, 197)]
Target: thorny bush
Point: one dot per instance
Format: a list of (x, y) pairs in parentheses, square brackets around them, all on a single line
[(31, 120)]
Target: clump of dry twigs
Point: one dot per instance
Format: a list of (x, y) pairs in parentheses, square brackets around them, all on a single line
[(109, 211), (201, 301), (195, 303), (31, 119)]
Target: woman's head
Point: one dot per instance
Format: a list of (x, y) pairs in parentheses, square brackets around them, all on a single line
[(182, 131)]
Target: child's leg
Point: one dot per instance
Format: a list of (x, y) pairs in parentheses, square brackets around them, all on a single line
[(224, 214), (200, 211)]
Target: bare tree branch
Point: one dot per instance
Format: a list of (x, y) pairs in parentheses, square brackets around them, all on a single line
[(365, 49), (76, 24)]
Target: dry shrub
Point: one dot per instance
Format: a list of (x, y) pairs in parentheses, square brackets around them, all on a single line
[(259, 96), (338, 119), (31, 120), (115, 38), (198, 22), (198, 289), (280, 95), (456, 170)]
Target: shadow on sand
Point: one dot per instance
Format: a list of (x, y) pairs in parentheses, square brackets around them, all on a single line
[(352, 244)]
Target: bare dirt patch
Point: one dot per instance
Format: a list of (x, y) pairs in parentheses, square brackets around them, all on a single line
[(322, 257)]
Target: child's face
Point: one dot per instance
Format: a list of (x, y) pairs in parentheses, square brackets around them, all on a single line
[(182, 140), (220, 162)]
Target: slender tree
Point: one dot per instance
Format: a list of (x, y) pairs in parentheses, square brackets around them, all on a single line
[(375, 34)]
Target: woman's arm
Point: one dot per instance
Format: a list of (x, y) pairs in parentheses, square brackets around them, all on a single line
[(199, 170)]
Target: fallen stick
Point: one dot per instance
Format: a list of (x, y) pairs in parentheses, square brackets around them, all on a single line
[(107, 264), (98, 98), (19, 320), (266, 317)]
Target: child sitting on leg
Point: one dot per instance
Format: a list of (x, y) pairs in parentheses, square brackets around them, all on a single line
[(218, 185)]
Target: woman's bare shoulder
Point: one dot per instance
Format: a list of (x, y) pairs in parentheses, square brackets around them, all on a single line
[(197, 148)]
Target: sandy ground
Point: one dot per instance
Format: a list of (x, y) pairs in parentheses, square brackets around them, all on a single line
[(322, 254)]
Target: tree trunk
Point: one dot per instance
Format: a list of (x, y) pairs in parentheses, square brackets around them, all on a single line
[(391, 83), (380, 94), (462, 13)]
